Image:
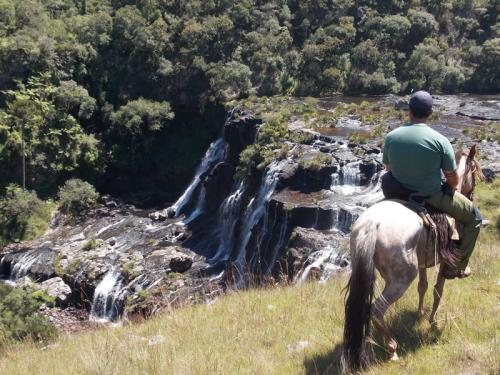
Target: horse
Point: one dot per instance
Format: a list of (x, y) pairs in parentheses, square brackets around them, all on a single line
[(392, 239)]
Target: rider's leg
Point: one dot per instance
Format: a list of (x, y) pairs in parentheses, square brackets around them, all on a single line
[(462, 210), (422, 288), (393, 290)]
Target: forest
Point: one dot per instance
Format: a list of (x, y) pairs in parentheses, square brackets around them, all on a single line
[(128, 94)]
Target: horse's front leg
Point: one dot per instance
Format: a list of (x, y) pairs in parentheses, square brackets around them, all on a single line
[(438, 293), (422, 288)]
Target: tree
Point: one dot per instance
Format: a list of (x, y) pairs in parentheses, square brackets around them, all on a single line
[(56, 143), (134, 125), (23, 216), (423, 25), (425, 66), (230, 81)]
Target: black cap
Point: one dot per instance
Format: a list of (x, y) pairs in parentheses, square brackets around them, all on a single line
[(421, 103)]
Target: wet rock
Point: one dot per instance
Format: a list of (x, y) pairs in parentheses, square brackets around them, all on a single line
[(240, 131), (169, 258), (162, 215), (58, 289), (401, 104), (111, 204), (218, 185)]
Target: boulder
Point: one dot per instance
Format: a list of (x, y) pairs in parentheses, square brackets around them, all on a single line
[(169, 258), (401, 104), (162, 215), (58, 289)]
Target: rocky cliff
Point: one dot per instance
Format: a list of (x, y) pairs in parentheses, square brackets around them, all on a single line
[(290, 222)]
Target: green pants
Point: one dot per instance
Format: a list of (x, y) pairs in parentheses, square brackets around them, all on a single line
[(462, 210)]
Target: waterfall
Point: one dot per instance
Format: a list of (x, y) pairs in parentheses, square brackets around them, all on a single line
[(228, 219), (327, 260), (348, 180), (351, 174), (214, 154), (254, 212), (22, 266), (282, 237), (108, 297)]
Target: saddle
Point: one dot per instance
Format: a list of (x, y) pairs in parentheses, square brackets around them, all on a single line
[(442, 228)]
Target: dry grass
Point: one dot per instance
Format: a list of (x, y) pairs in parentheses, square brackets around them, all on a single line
[(256, 332)]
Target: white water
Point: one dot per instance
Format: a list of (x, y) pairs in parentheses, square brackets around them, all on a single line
[(22, 266), (353, 200), (348, 180), (279, 244), (228, 217), (214, 154), (103, 229), (106, 296), (254, 212)]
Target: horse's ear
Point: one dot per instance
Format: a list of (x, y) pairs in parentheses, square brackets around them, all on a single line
[(472, 152)]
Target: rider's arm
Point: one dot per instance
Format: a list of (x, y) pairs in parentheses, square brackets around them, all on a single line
[(388, 167), (451, 178)]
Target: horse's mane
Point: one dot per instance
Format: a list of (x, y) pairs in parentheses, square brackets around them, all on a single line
[(471, 163)]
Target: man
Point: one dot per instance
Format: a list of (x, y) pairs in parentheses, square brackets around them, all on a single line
[(415, 154)]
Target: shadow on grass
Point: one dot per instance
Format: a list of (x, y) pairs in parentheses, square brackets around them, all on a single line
[(405, 326)]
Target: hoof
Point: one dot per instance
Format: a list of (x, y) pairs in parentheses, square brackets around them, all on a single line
[(432, 321), (420, 315)]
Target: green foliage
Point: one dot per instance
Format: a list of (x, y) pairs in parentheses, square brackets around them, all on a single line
[(55, 141), (23, 216), (488, 196), (96, 84), (490, 132), (58, 268), (90, 244), (76, 196), (19, 316), (317, 162)]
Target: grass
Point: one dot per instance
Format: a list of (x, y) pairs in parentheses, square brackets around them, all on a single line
[(258, 331)]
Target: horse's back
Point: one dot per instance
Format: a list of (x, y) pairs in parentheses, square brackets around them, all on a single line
[(397, 230), (390, 215)]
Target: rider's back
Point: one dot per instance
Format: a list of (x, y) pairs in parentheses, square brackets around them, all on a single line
[(417, 154)]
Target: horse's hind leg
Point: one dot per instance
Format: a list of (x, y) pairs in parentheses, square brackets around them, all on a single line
[(393, 290), (422, 288)]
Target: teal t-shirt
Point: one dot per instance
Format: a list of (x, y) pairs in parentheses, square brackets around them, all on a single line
[(417, 154)]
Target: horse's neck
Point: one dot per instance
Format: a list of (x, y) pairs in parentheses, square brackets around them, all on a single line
[(461, 168)]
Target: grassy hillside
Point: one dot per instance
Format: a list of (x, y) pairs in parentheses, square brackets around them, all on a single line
[(291, 330)]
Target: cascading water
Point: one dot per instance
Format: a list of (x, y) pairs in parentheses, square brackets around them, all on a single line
[(21, 268), (328, 261), (254, 212), (282, 237), (351, 198), (348, 180), (228, 218), (214, 155), (108, 297)]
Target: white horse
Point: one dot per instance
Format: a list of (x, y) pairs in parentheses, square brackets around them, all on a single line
[(391, 238)]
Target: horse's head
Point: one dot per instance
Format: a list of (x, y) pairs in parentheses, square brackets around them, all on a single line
[(468, 171)]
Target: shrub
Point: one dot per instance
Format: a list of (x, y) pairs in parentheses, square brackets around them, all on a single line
[(20, 317), (91, 244), (76, 196), (23, 216)]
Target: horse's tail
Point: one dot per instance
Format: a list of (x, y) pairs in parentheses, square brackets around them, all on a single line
[(356, 352)]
